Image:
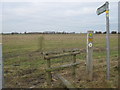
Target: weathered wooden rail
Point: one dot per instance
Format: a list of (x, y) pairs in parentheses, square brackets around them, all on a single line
[(52, 55)]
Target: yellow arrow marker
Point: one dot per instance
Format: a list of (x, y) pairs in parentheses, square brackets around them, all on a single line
[(107, 11), (90, 34)]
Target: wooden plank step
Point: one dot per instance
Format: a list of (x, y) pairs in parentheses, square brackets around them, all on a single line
[(66, 82)]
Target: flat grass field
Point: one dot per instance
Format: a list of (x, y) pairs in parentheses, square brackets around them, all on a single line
[(24, 65)]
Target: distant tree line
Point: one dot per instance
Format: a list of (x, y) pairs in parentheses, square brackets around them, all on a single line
[(53, 32), (46, 32), (112, 32), (50, 32)]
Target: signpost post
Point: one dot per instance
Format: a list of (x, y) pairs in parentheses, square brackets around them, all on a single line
[(100, 10), (89, 62)]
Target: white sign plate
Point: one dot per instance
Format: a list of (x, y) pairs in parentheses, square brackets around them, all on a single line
[(102, 9)]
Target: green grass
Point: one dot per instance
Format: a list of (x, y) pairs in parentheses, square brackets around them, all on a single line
[(21, 54)]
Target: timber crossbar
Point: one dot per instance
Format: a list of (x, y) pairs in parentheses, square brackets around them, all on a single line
[(50, 55), (60, 55), (62, 67), (62, 51)]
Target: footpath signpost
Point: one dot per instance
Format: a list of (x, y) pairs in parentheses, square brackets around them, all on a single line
[(89, 63), (100, 10)]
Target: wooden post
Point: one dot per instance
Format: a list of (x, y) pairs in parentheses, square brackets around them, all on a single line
[(74, 61), (89, 61), (1, 69), (49, 76)]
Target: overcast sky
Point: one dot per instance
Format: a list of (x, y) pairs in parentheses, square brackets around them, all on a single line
[(56, 16)]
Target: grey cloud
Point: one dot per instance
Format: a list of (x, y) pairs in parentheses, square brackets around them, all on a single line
[(77, 17)]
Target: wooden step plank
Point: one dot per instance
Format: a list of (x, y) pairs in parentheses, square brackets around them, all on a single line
[(66, 82)]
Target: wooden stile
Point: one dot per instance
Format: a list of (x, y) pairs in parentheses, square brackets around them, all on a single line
[(49, 69)]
